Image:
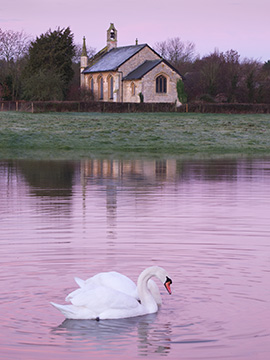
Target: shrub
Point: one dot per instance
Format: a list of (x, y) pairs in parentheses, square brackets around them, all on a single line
[(182, 96), (207, 98)]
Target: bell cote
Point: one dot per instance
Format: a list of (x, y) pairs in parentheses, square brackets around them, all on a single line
[(111, 37)]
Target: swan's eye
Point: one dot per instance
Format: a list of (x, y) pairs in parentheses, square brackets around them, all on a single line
[(167, 284)]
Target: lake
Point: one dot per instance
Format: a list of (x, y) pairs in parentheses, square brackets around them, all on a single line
[(206, 221)]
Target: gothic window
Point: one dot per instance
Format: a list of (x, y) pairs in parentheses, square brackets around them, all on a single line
[(133, 88), (110, 87), (161, 84), (91, 84), (100, 88)]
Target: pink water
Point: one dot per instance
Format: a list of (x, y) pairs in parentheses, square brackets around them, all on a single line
[(207, 222)]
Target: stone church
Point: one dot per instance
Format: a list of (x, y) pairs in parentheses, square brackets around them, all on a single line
[(134, 73)]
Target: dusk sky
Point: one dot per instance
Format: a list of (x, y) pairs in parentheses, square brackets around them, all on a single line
[(241, 25)]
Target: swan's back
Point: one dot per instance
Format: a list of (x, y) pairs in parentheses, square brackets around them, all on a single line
[(112, 280)]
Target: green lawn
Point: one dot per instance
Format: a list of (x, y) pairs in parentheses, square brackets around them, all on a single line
[(167, 133)]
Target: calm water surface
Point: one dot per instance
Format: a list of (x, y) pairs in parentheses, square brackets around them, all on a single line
[(207, 222)]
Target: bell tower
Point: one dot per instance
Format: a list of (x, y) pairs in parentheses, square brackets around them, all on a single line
[(111, 37)]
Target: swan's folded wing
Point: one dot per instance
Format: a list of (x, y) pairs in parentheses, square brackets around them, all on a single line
[(73, 294), (113, 280), (119, 282), (102, 298)]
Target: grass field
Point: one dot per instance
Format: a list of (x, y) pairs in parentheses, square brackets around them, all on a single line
[(166, 133)]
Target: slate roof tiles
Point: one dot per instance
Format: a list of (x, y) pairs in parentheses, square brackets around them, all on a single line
[(114, 58), (143, 69)]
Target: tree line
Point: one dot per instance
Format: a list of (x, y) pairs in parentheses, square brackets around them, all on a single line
[(218, 76), (48, 68)]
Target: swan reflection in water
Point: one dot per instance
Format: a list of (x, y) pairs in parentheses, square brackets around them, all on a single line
[(110, 335)]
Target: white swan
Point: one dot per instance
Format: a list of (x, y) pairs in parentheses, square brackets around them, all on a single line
[(116, 281), (103, 302)]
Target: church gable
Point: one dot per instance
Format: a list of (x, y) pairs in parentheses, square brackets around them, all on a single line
[(154, 81), (160, 83)]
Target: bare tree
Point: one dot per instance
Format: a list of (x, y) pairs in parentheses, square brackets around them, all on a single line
[(13, 45), (209, 72), (249, 81), (230, 74), (177, 52), (78, 51), (264, 87)]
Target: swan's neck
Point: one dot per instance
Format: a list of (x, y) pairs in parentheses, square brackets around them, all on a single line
[(147, 299)]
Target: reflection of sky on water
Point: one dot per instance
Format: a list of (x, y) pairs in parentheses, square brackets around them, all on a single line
[(206, 222)]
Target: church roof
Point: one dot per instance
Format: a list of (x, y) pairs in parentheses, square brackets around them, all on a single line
[(114, 58), (94, 59), (143, 69)]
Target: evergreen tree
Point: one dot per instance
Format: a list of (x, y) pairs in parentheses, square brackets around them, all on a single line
[(53, 52), (43, 85)]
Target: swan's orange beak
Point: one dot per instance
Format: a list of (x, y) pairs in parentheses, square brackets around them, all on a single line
[(167, 284)]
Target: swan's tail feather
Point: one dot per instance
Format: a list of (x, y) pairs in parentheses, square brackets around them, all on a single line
[(74, 312), (69, 311)]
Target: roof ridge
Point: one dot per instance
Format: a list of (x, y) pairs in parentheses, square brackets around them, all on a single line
[(136, 45)]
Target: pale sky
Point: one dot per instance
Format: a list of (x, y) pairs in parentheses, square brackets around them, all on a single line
[(241, 25)]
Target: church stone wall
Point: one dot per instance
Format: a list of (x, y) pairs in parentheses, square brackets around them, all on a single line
[(128, 95), (106, 92)]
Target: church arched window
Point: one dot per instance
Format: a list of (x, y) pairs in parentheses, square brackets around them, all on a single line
[(161, 84), (91, 84), (133, 89), (110, 87), (100, 88)]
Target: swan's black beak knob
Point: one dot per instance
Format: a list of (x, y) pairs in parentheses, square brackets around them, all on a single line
[(167, 284)]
